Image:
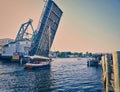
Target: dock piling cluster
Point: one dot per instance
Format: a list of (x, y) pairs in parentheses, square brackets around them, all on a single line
[(111, 71)]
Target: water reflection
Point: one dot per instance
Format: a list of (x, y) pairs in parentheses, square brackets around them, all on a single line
[(65, 75), (20, 80)]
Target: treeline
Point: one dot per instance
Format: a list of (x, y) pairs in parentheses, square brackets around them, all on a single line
[(74, 54)]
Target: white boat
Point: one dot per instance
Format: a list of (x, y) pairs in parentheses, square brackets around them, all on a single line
[(92, 62), (37, 62)]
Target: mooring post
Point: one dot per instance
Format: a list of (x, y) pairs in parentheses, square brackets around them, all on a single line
[(103, 67), (108, 72), (116, 67)]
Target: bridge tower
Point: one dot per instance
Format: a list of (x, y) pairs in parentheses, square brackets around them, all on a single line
[(23, 30)]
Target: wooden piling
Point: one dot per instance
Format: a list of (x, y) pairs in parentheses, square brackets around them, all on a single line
[(103, 67), (116, 67), (108, 73), (106, 68)]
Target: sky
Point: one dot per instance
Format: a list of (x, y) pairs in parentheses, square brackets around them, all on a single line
[(86, 25)]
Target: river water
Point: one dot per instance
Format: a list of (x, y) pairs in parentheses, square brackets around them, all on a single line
[(65, 75)]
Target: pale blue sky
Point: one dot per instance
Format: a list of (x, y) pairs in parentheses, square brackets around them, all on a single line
[(86, 25), (95, 22)]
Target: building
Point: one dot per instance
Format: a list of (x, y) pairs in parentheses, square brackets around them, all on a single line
[(3, 42), (20, 47)]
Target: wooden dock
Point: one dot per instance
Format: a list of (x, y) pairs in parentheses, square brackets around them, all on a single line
[(111, 71)]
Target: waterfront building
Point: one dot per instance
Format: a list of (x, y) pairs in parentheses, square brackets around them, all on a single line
[(3, 42), (20, 47)]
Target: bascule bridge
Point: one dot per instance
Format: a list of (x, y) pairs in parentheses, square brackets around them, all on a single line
[(46, 29)]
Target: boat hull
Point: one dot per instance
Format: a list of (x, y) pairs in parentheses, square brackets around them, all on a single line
[(5, 58), (31, 66), (92, 63)]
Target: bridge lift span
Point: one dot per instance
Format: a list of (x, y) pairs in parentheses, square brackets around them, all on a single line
[(46, 29)]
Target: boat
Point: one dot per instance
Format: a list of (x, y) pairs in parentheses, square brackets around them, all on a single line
[(92, 62), (37, 62)]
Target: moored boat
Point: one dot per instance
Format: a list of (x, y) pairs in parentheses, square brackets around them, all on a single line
[(92, 62), (37, 62)]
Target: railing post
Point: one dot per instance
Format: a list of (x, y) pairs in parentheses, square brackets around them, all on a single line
[(116, 67)]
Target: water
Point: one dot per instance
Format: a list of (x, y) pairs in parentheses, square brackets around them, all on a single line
[(65, 75)]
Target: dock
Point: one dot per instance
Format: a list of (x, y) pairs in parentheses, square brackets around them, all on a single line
[(111, 71)]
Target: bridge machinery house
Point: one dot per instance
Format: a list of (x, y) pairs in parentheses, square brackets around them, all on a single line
[(20, 47), (3, 42)]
